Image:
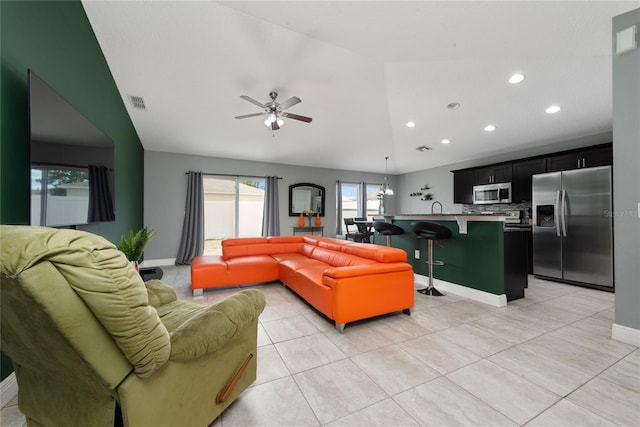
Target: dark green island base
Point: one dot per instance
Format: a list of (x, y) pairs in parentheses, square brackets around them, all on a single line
[(482, 261)]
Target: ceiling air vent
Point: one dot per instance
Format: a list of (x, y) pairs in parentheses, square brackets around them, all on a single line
[(137, 102), (423, 148)]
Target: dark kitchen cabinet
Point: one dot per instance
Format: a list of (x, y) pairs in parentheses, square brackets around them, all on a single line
[(463, 182), (515, 263), (602, 156), (522, 177), (493, 174)]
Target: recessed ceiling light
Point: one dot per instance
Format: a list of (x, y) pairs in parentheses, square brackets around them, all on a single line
[(445, 141), (411, 124), (516, 78), (453, 105), (490, 128), (553, 109)]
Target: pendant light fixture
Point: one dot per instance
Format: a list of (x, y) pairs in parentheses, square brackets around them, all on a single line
[(385, 190)]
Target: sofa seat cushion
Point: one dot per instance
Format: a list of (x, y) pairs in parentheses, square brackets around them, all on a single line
[(252, 269), (208, 272), (307, 282), (295, 263), (295, 256)]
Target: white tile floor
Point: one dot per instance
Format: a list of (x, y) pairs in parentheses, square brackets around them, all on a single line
[(544, 360)]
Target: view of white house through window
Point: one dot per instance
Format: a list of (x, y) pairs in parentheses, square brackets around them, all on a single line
[(233, 207), (59, 195)]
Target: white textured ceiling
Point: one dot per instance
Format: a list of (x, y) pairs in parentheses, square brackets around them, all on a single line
[(362, 69)]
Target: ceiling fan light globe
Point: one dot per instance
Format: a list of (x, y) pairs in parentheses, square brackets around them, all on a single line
[(280, 121), (267, 122), (272, 118)]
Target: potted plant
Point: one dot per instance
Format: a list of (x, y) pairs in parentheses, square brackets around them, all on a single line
[(133, 244)]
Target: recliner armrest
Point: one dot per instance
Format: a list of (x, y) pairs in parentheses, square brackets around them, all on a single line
[(159, 293), (210, 329)]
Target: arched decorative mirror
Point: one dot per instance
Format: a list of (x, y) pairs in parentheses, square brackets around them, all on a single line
[(304, 197)]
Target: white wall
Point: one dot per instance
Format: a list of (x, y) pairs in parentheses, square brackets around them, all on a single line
[(165, 186)]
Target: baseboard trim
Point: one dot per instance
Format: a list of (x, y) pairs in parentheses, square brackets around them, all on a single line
[(625, 334), (158, 262), (8, 389), (464, 291)]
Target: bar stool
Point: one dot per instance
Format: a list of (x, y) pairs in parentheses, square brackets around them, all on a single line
[(387, 229), (430, 231)]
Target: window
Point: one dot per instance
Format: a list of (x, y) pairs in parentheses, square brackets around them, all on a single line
[(354, 205), (59, 195), (373, 200), (233, 207)]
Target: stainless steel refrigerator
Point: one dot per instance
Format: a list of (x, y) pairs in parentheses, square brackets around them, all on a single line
[(572, 226)]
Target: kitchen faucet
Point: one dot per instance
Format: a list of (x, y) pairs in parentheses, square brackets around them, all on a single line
[(432, 204)]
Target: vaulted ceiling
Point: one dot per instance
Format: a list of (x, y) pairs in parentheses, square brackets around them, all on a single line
[(363, 69)]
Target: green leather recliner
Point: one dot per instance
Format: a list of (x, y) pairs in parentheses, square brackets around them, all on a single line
[(93, 345)]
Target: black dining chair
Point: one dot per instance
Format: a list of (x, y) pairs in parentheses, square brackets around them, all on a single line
[(430, 231), (356, 236), (364, 229)]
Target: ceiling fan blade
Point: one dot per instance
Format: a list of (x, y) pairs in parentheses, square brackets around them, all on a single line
[(290, 102), (251, 115), (274, 126), (253, 101), (297, 117)]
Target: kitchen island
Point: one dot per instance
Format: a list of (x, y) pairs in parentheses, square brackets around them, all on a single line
[(483, 261)]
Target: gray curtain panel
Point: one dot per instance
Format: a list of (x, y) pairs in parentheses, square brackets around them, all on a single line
[(339, 207), (271, 215), (192, 240), (100, 201)]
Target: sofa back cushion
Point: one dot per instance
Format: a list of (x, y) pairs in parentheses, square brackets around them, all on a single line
[(338, 259), (248, 246), (244, 246), (333, 244), (375, 252)]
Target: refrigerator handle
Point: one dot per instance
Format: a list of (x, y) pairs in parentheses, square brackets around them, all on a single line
[(564, 213), (557, 213)]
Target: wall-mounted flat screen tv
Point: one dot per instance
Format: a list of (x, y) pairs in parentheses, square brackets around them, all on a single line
[(72, 162)]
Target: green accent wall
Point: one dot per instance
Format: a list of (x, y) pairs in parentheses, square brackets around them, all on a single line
[(474, 260), (56, 41)]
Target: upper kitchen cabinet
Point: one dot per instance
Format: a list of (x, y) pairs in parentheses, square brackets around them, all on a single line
[(522, 176), (493, 174), (586, 158), (463, 182)]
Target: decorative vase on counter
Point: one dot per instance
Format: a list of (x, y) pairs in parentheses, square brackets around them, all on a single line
[(318, 222), (301, 220)]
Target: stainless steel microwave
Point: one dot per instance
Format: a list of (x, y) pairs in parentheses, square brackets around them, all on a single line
[(492, 193)]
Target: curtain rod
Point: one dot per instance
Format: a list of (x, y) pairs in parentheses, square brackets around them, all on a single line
[(233, 175)]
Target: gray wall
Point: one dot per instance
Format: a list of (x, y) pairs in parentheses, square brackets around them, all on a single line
[(440, 179), (165, 186), (626, 177)]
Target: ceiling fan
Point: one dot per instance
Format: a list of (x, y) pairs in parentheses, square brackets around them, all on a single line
[(275, 111)]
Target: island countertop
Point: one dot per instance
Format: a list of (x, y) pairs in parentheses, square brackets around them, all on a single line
[(460, 218)]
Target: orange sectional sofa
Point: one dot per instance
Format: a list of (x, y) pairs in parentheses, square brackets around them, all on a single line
[(344, 280)]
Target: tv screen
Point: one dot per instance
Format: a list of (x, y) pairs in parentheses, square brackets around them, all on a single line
[(72, 162)]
